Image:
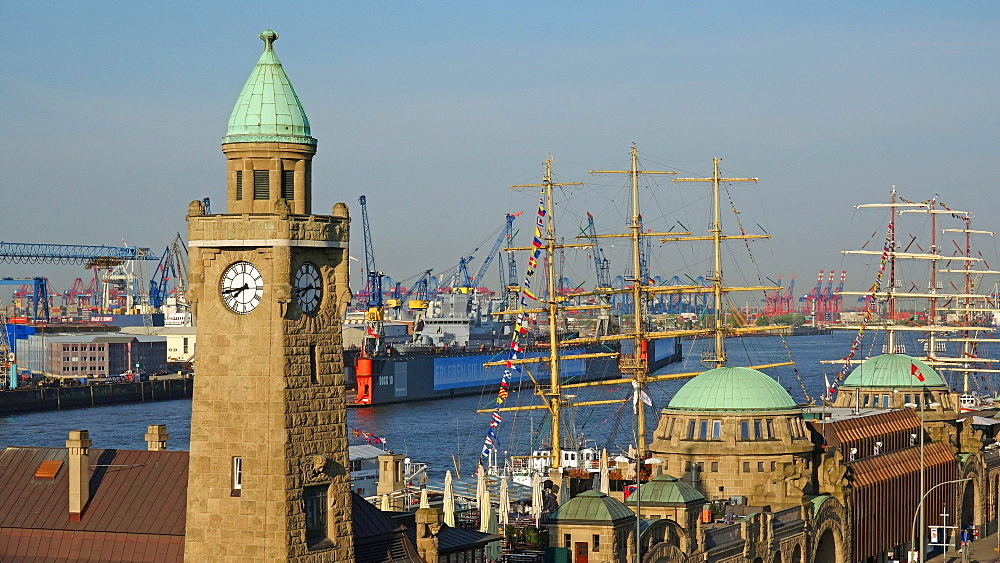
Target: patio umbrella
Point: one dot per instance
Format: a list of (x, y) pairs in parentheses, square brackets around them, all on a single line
[(503, 511), (562, 495), (536, 496), (493, 551), (480, 486), (424, 503), (385, 505), (605, 486), (449, 500), (485, 513)]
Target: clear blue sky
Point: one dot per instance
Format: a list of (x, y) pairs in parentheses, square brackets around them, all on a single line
[(111, 115)]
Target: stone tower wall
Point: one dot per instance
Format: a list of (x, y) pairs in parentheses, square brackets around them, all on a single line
[(259, 397)]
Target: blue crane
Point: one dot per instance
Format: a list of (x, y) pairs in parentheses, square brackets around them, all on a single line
[(39, 295), (34, 253), (173, 266), (373, 285), (467, 282), (511, 284), (505, 235)]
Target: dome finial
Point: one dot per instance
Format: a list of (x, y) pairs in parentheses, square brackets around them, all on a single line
[(268, 36)]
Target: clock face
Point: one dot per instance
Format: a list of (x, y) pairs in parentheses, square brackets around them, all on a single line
[(308, 287), (242, 287)]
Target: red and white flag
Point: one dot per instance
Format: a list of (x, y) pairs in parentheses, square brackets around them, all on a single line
[(915, 371), (371, 332)]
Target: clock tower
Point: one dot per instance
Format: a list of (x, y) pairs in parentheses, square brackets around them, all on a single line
[(268, 286)]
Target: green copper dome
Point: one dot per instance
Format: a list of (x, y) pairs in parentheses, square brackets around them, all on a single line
[(591, 506), (732, 389), (268, 109), (893, 370), (665, 489)]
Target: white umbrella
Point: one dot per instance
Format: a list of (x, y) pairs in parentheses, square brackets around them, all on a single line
[(480, 486), (493, 550), (424, 502), (503, 511), (385, 505), (485, 512), (449, 500), (536, 496), (605, 484)]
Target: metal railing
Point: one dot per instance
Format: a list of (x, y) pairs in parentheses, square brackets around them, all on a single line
[(787, 516), (720, 536)]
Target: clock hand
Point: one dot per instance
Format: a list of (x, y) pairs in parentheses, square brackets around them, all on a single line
[(235, 289)]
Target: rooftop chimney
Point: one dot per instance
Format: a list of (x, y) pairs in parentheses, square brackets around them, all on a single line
[(78, 445), (156, 437)]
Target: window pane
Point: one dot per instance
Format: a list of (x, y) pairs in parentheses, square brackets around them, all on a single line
[(703, 431), (744, 429), (315, 505), (770, 429), (716, 429), (691, 430), (757, 430)]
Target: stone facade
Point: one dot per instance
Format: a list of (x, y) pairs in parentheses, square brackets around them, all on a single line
[(278, 161), (765, 457), (269, 458), (270, 393)]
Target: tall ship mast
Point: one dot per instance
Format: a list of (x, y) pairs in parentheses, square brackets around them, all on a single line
[(936, 332), (634, 363)]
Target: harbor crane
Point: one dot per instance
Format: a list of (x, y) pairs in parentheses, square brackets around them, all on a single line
[(39, 293), (172, 267), (373, 284)]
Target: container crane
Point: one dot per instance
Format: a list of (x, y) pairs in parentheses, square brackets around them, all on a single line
[(837, 300), (772, 300), (786, 305), (823, 303), (373, 285), (37, 289), (812, 298)]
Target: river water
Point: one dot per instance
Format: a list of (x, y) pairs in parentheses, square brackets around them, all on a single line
[(434, 431)]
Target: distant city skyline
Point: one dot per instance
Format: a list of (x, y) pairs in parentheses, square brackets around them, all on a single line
[(112, 117)]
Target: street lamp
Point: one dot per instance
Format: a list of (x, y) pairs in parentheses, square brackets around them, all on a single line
[(638, 500), (920, 509), (923, 485)]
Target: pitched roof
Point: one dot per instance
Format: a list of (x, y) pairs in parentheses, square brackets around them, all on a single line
[(131, 491), (452, 540), (377, 537)]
